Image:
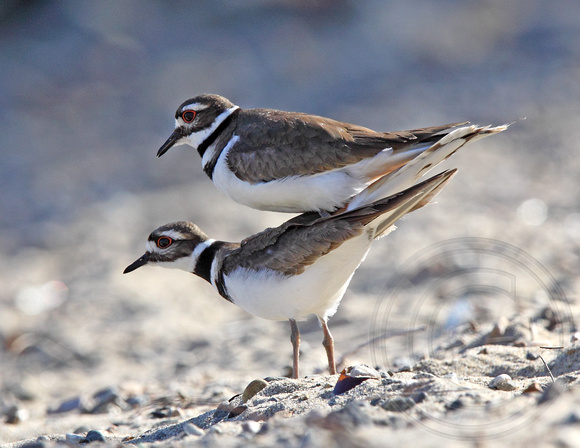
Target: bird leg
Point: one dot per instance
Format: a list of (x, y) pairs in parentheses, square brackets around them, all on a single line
[(328, 343), (295, 339)]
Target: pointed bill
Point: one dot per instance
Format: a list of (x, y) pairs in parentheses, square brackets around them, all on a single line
[(171, 141), (137, 264)]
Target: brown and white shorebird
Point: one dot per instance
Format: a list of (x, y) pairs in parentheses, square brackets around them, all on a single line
[(294, 162), (301, 267)]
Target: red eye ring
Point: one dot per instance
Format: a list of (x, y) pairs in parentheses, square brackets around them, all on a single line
[(164, 242), (188, 115)]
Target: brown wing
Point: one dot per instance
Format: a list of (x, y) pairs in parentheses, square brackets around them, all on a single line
[(302, 144), (290, 248)]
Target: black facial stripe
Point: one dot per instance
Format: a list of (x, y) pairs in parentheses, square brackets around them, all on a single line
[(203, 267), (202, 148)]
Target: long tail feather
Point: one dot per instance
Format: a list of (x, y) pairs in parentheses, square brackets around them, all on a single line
[(412, 171)]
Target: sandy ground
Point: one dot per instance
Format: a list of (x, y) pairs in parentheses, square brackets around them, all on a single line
[(487, 276)]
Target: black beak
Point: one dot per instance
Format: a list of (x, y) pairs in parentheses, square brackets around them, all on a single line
[(169, 143), (137, 264)]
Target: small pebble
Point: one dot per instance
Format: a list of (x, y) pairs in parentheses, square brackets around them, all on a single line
[(225, 406), (237, 411), (456, 404), (398, 404), (192, 430), (251, 426), (106, 400), (15, 415), (94, 436), (35, 444), (165, 412), (419, 397), (252, 389), (353, 415), (138, 401), (451, 376), (534, 387), (73, 439), (531, 357), (67, 406), (107, 395), (497, 334), (502, 382), (573, 418)]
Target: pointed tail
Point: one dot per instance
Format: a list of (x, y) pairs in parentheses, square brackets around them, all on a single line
[(412, 171)]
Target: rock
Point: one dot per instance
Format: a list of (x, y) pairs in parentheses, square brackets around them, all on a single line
[(138, 401), (94, 436), (502, 382), (252, 427), (497, 334), (225, 406), (531, 357), (237, 411), (573, 418), (67, 406), (165, 412), (107, 399), (15, 415), (452, 376), (353, 415), (534, 387), (252, 389), (456, 404), (38, 443), (398, 404), (73, 439), (192, 430)]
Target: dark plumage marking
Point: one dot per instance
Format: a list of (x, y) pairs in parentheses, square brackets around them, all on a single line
[(202, 148)]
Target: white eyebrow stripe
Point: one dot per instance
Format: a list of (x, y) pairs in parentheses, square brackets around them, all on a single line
[(195, 106), (173, 234)]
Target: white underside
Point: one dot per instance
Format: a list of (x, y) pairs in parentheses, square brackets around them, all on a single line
[(318, 290), (324, 191)]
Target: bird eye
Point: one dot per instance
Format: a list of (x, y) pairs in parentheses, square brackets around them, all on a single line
[(164, 242), (188, 115)]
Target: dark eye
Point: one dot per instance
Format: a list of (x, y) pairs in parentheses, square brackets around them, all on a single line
[(164, 242), (188, 116)]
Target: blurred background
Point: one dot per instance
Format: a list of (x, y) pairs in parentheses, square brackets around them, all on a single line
[(87, 95)]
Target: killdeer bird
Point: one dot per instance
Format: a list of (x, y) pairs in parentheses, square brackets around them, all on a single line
[(295, 162), (299, 268)]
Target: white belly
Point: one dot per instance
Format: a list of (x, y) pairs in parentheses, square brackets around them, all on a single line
[(324, 191), (318, 290)]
